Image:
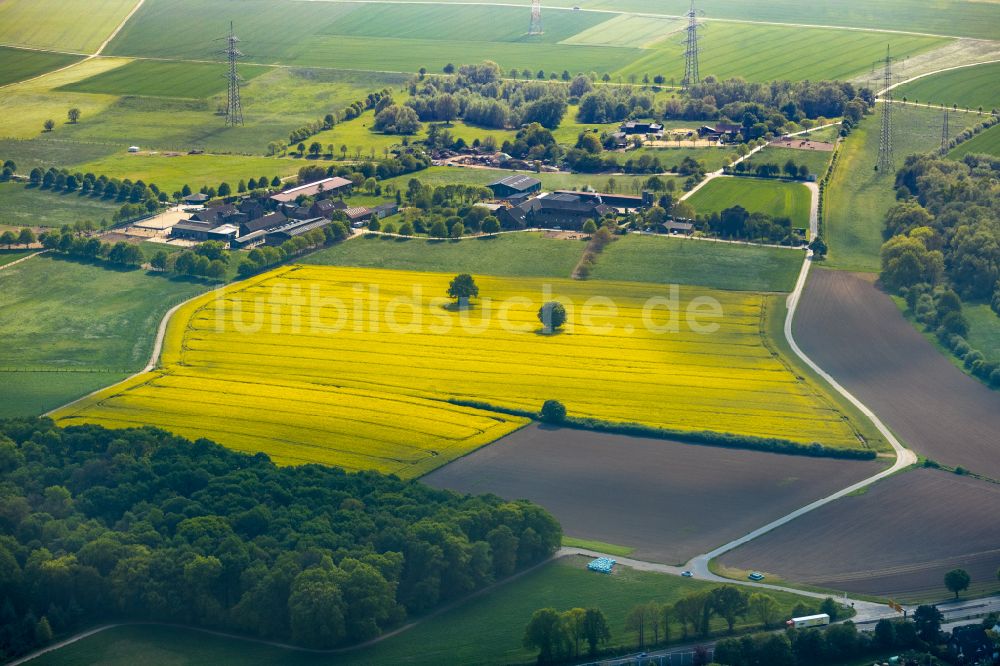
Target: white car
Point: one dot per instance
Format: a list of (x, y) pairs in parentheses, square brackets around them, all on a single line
[(687, 574)]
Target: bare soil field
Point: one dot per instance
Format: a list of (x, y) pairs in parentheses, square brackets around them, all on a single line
[(896, 540), (669, 501), (857, 334)]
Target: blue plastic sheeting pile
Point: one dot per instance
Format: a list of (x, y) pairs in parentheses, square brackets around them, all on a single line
[(602, 565)]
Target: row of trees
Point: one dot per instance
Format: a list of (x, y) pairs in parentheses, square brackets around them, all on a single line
[(92, 248), (330, 120), (736, 222), (24, 237), (770, 169), (98, 524), (559, 636)]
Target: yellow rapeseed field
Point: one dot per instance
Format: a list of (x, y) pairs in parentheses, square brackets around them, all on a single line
[(356, 367)]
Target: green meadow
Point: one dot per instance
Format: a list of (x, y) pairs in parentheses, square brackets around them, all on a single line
[(666, 260), (22, 206), (774, 197), (62, 342)]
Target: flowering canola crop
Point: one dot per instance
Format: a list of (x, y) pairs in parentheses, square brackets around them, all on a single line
[(356, 367)]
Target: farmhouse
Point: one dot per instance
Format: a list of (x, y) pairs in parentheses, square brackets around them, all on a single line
[(563, 210), (327, 186), (224, 214), (518, 186)]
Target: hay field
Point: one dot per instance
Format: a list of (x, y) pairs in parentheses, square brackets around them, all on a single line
[(354, 367)]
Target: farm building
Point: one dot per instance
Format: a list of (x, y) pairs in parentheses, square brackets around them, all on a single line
[(358, 216), (294, 229), (385, 210), (564, 210), (623, 201), (633, 127), (195, 199), (326, 187), (224, 214), (515, 186), (721, 132), (205, 231), (264, 223)]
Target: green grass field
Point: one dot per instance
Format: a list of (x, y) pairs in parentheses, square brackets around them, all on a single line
[(25, 106), (64, 25), (70, 328), (153, 78), (171, 173), (9, 256), (484, 630), (816, 160), (19, 64), (969, 87), (767, 52), (628, 30), (523, 254), (946, 17), (986, 142), (45, 153), (774, 197), (984, 329), (22, 206), (858, 196), (401, 39), (703, 263)]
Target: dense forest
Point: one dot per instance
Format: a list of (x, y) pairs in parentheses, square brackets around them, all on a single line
[(943, 246), (99, 524)]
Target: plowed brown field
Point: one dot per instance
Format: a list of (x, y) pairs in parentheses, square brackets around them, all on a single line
[(857, 334), (669, 501), (896, 540)]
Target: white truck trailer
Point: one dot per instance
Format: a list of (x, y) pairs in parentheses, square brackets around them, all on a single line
[(820, 620)]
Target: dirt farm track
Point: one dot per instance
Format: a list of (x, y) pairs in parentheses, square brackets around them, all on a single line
[(898, 539), (857, 334), (669, 501)]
